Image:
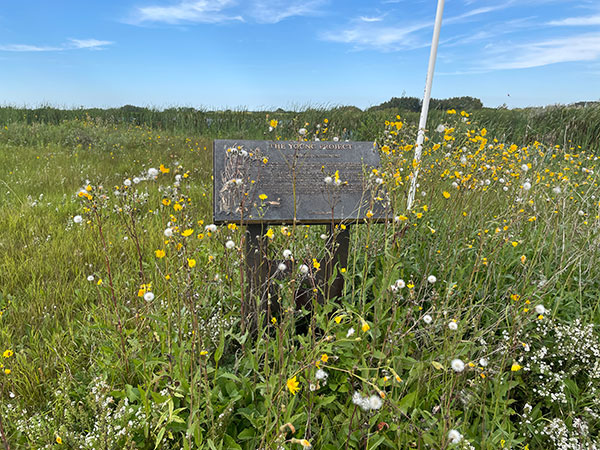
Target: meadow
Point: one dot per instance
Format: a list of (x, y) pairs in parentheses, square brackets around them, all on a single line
[(468, 322)]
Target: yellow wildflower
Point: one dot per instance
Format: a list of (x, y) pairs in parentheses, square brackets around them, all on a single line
[(293, 385), (160, 253)]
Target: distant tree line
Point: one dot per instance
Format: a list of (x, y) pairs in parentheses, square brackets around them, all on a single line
[(414, 104)]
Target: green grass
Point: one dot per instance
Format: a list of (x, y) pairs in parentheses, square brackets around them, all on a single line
[(96, 366)]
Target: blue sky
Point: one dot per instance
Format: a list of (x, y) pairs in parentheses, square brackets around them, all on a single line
[(260, 54)]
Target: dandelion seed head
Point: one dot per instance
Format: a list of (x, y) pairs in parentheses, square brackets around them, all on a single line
[(457, 365), (282, 267), (453, 325), (427, 319), (149, 296), (287, 254), (229, 244), (432, 279), (303, 269), (78, 219), (454, 436)]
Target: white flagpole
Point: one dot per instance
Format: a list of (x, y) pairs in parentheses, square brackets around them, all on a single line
[(425, 107)]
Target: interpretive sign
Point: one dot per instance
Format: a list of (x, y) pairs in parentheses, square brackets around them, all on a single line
[(309, 181)]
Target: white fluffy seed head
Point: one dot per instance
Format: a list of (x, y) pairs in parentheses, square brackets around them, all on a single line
[(328, 180), (453, 325), (152, 172), (229, 244), (282, 267), (211, 228), (540, 309), (149, 296), (168, 232), (304, 269), (527, 185), (302, 131), (78, 219), (457, 365), (287, 254), (427, 319), (454, 436), (432, 279)]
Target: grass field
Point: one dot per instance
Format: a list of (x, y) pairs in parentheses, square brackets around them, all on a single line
[(468, 322)]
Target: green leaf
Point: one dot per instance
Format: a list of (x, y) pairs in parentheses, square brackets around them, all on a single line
[(437, 365), (407, 401), (220, 347), (159, 437), (246, 434), (230, 443)]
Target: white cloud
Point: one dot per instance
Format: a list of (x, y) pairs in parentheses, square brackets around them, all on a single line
[(371, 19), (73, 44), (584, 47), (577, 21), (218, 11), (372, 35)]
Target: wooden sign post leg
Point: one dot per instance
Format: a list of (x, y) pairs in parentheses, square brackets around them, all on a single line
[(339, 250), (256, 275)]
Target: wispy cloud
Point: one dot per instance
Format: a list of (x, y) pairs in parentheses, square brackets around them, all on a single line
[(72, 44), (371, 19), (584, 47), (199, 11), (219, 11), (577, 21), (384, 38)]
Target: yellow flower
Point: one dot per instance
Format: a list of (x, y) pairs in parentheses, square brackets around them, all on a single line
[(401, 217), (203, 353), (166, 201), (232, 226), (99, 283), (263, 197), (369, 214), (365, 327), (293, 385), (7, 371), (324, 357), (88, 188), (191, 262), (58, 440), (7, 353), (343, 270), (187, 232), (446, 194), (270, 233), (515, 367), (177, 207), (265, 160), (274, 320), (316, 264), (338, 319), (163, 169), (419, 215), (273, 123), (523, 259), (514, 243), (160, 253)]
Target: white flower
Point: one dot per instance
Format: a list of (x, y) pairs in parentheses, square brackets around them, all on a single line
[(505, 188), (457, 365), (303, 269), (238, 182), (501, 180), (440, 128), (463, 159), (432, 279), (527, 185), (287, 254), (168, 232), (454, 184), (148, 296), (524, 168), (453, 325), (302, 131), (136, 180), (375, 402), (400, 284), (427, 319), (152, 172), (244, 153), (337, 182), (323, 236), (78, 219), (336, 139), (581, 213), (321, 374), (357, 399), (454, 436), (350, 332), (211, 228), (540, 309), (556, 190), (229, 244), (90, 278), (379, 180), (328, 180), (282, 267), (483, 362), (127, 182)]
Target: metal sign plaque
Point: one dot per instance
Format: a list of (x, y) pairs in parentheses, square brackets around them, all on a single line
[(309, 181)]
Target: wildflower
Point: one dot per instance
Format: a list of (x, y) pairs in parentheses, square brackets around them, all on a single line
[(274, 320), (540, 309), (7, 371), (350, 332), (365, 326), (90, 278), (454, 436), (287, 254), (523, 259), (328, 180), (282, 267), (263, 197), (524, 168), (457, 365), (427, 319), (400, 218), (7, 354), (164, 169), (446, 194), (152, 172), (270, 233), (58, 440), (293, 385), (229, 244), (136, 180), (127, 182), (273, 123), (78, 219), (324, 357), (527, 185), (302, 131), (159, 253), (440, 128), (191, 263), (432, 279), (400, 284), (168, 232), (338, 319), (321, 374), (149, 296), (303, 269), (556, 190), (316, 264), (211, 228), (453, 325)]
